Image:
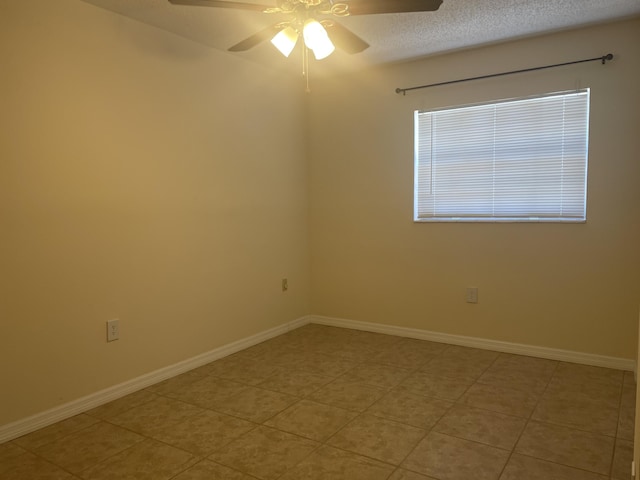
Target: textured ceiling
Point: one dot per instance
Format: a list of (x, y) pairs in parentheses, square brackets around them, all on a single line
[(456, 25)]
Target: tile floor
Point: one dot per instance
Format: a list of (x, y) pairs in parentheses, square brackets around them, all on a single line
[(324, 403)]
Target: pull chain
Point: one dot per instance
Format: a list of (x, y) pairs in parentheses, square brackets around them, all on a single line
[(305, 67)]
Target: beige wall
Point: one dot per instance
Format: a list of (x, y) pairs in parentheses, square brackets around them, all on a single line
[(147, 178), (141, 177), (574, 287)]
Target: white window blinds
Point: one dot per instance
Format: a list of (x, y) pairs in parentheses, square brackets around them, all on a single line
[(516, 160)]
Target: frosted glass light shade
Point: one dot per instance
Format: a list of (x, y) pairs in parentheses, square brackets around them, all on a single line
[(285, 40), (316, 38), (323, 50)]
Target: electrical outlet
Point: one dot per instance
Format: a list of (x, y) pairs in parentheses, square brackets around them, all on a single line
[(472, 294), (285, 285), (113, 330)]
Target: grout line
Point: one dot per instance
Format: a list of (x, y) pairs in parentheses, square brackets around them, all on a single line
[(528, 420), (615, 443), (591, 472)]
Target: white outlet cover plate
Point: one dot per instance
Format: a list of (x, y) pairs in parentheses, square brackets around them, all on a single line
[(113, 330)]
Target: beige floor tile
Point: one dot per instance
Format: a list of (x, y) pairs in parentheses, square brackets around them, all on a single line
[(521, 467), (449, 458), (149, 460), (265, 453), (378, 375), (508, 378), (310, 361), (401, 359), (121, 405), (401, 474), (595, 392), (580, 413), (520, 373), (316, 342), (626, 419), (622, 458), (293, 359), (8, 451), (266, 351), (373, 339), (629, 378), (483, 426), (200, 371), (55, 432), (175, 383), (575, 373), (155, 416), (500, 400), (463, 368), (328, 463), (378, 438), (423, 346), (628, 395), (387, 408), (481, 356), (409, 353), (208, 392), (311, 420), (575, 448), (28, 466), (296, 383), (434, 385), (526, 364), (84, 449), (242, 370), (203, 433), (349, 351), (351, 396), (626, 423), (287, 342), (207, 470), (337, 349), (405, 407), (255, 404), (321, 364)]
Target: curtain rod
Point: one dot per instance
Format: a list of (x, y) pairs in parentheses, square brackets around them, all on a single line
[(603, 59)]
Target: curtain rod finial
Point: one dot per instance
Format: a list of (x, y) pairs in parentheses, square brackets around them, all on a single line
[(608, 56)]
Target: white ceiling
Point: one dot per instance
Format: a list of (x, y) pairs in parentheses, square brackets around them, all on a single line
[(458, 24)]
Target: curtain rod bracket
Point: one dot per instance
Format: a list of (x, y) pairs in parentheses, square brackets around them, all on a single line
[(603, 59)]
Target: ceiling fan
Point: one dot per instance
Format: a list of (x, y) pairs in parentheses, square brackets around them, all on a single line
[(314, 20)]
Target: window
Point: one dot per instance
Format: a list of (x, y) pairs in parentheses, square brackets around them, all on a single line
[(521, 160)]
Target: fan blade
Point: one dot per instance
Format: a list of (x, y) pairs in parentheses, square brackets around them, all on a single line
[(369, 7), (220, 4), (256, 38), (345, 39)]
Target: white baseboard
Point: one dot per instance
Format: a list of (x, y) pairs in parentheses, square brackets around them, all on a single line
[(486, 344), (75, 407)]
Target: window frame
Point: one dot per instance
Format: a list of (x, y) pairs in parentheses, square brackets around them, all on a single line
[(420, 216)]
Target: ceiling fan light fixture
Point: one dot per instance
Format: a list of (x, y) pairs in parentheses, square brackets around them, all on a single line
[(285, 40), (317, 39)]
